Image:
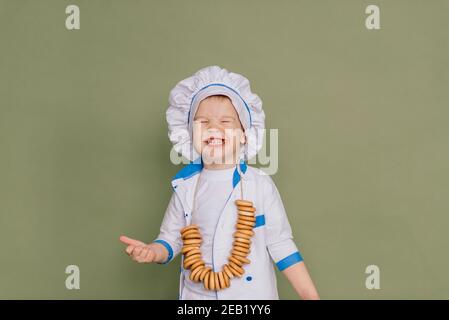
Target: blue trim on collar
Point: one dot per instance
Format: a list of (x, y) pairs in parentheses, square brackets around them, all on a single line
[(196, 166), (189, 170), (289, 260), (236, 177)]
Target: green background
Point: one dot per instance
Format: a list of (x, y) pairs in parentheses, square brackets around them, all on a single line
[(363, 129)]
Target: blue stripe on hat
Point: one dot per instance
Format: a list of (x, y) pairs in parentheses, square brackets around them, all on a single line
[(227, 87)]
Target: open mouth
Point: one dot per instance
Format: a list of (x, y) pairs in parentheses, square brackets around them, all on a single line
[(214, 141)]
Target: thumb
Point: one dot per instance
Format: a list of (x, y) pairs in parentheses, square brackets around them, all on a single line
[(130, 241)]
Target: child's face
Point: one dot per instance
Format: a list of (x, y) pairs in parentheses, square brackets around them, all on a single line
[(217, 132)]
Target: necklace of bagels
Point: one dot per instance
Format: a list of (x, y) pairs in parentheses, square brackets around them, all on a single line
[(192, 239)]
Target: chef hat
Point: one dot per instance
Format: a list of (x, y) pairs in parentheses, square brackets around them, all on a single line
[(186, 96)]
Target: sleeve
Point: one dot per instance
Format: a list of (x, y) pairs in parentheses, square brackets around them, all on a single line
[(280, 244), (169, 234)]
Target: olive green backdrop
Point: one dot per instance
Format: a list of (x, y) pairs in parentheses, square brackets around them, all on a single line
[(363, 128)]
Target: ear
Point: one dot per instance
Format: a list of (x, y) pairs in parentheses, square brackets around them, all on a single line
[(243, 138)]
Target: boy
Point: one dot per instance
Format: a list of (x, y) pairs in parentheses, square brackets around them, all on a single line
[(214, 120)]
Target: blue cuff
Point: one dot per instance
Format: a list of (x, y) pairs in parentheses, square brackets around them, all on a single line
[(289, 260), (169, 249)]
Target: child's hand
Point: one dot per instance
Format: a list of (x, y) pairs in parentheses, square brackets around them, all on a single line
[(141, 252)]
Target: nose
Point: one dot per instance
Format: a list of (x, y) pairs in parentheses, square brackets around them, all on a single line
[(212, 130), (214, 125)]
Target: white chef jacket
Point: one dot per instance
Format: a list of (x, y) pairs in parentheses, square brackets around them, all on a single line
[(214, 189), (272, 241)]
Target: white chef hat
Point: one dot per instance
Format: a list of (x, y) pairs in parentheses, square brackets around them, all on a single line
[(185, 97)]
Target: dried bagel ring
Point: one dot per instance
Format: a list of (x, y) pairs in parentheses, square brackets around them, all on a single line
[(250, 214), (188, 248), (212, 280), (236, 267), (187, 265), (226, 279), (190, 234), (197, 264), (228, 271), (247, 223), (193, 241), (241, 249), (238, 239), (247, 218), (242, 259), (241, 244), (234, 271), (241, 235), (244, 203), (203, 273), (194, 272), (246, 213), (196, 277), (192, 252), (239, 253), (191, 260), (243, 227), (237, 262), (246, 209), (206, 279), (248, 232), (217, 282), (192, 257), (221, 280), (189, 227), (193, 230)]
